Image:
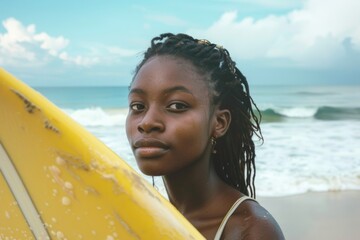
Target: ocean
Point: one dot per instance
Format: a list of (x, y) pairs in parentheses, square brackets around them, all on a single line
[(312, 133)]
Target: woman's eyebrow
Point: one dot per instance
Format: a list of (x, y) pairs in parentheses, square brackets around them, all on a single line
[(177, 89), (166, 91), (136, 90)]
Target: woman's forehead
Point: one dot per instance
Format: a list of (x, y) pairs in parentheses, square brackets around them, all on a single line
[(170, 70)]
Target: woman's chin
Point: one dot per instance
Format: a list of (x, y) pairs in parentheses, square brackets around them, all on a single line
[(150, 171)]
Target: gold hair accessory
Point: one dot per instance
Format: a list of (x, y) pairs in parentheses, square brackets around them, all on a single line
[(203, 41), (207, 42)]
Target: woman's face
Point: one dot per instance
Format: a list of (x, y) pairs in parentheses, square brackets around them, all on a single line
[(169, 123)]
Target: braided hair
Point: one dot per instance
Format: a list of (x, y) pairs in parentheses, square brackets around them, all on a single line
[(234, 160)]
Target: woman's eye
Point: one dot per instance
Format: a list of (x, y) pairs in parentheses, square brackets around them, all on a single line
[(137, 107), (178, 106)]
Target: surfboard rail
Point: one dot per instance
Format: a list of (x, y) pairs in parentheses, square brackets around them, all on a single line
[(58, 181)]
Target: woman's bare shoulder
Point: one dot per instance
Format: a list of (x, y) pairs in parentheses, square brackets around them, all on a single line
[(252, 221)]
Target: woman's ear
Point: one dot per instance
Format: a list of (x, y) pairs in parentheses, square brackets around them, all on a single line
[(222, 122)]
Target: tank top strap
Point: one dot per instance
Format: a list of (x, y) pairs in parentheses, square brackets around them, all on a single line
[(228, 215)]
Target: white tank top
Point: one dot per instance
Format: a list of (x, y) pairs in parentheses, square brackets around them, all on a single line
[(228, 215)]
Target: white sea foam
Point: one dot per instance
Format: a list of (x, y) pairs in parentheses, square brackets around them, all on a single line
[(298, 156), (97, 116), (302, 156), (297, 112)]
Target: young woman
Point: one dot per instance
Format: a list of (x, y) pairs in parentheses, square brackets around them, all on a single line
[(191, 120)]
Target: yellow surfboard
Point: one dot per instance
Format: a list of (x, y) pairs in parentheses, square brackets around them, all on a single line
[(57, 181)]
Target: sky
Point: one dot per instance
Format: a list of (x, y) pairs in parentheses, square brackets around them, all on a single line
[(99, 43)]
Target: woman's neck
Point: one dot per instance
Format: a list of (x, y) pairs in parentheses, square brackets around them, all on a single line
[(201, 196), (191, 189)]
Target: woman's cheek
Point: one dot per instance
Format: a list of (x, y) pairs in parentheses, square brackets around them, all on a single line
[(191, 133)]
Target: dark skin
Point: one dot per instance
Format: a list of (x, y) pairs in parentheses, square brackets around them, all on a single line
[(169, 126)]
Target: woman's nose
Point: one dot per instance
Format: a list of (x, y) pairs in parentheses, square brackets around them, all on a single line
[(151, 122)]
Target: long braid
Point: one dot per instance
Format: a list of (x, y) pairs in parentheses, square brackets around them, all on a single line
[(235, 158)]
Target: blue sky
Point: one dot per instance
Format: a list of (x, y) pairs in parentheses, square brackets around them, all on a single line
[(59, 43)]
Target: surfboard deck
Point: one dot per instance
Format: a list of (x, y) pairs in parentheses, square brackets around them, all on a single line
[(58, 181)]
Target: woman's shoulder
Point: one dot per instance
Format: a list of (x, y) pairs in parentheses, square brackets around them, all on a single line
[(252, 221)]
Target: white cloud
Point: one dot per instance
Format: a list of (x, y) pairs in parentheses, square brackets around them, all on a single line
[(312, 36), (79, 60), (22, 46), (53, 45), (20, 43)]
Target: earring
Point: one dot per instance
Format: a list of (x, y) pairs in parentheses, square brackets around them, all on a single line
[(213, 144)]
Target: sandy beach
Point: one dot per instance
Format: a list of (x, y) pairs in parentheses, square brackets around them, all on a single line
[(322, 215)]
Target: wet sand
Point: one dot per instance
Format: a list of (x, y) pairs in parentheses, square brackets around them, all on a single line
[(326, 215)]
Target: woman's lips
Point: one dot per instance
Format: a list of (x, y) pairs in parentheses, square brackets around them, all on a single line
[(149, 152), (149, 148)]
